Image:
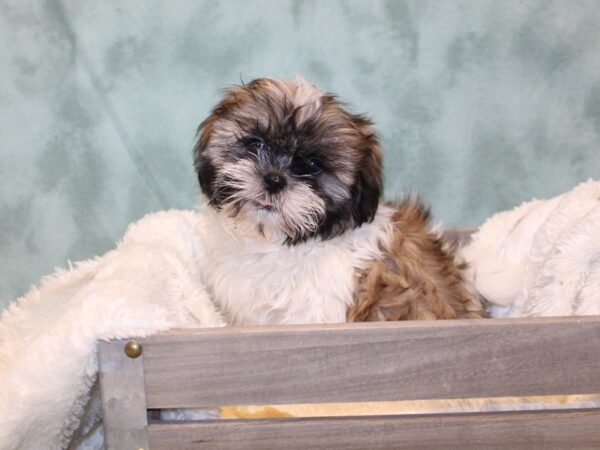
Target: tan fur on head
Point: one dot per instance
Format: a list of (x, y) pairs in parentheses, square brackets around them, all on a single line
[(418, 277), (296, 126)]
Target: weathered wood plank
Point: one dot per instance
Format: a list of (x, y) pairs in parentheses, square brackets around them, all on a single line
[(373, 362), (518, 430), (461, 235), (125, 418)]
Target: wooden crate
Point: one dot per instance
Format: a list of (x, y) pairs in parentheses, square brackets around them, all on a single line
[(356, 363)]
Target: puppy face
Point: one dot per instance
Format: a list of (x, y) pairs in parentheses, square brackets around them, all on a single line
[(286, 162)]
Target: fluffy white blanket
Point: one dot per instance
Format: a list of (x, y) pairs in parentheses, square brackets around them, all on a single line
[(542, 258), (48, 366)]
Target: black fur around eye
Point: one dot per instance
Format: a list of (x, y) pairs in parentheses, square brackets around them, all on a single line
[(254, 143), (307, 166), (313, 165)]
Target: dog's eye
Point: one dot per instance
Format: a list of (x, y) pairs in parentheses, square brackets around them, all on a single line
[(314, 165), (254, 143)]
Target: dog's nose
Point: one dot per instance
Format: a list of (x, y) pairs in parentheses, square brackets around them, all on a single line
[(274, 182)]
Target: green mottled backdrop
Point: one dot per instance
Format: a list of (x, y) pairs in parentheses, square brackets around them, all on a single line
[(481, 104)]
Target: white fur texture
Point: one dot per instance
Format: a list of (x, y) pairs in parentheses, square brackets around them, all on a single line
[(151, 282), (542, 258), (173, 269), (254, 281)]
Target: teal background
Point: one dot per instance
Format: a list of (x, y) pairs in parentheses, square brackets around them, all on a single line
[(481, 104)]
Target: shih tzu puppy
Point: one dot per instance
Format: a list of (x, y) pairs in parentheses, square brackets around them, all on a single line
[(295, 228)]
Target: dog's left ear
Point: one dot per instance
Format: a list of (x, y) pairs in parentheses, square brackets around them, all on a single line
[(366, 190)]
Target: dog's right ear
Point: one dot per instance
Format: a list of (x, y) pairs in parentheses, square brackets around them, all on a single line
[(204, 167)]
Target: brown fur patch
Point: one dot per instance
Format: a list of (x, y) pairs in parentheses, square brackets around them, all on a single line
[(418, 278)]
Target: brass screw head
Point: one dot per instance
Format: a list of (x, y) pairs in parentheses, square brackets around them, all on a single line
[(133, 349)]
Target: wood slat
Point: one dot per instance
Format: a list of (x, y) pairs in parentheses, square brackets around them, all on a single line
[(124, 413), (461, 235), (373, 362), (517, 430)]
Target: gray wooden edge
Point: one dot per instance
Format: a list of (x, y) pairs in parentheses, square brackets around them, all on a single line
[(125, 418), (461, 235), (503, 430), (372, 362)]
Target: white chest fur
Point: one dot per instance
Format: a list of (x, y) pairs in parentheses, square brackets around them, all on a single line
[(257, 282)]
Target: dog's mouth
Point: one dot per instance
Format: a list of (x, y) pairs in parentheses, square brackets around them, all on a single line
[(264, 203)]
